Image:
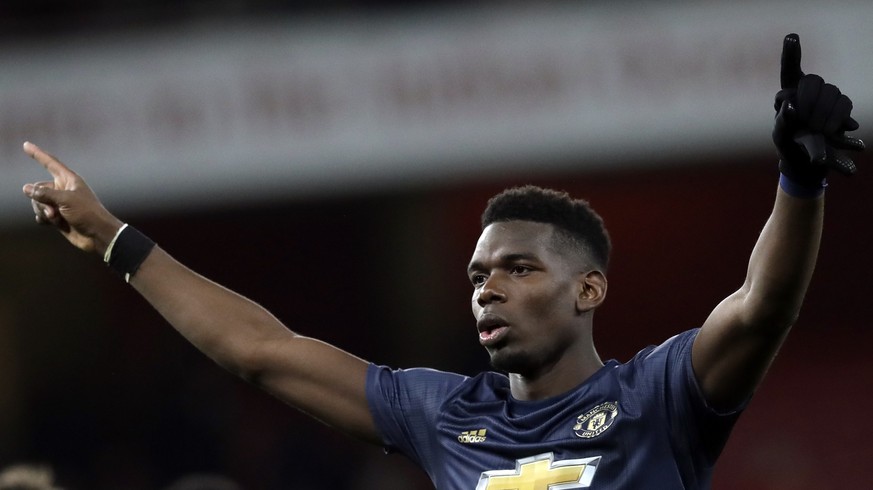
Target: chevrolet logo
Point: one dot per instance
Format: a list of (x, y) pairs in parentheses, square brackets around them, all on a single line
[(542, 472)]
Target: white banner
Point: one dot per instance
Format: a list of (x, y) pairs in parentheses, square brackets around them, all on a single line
[(220, 112)]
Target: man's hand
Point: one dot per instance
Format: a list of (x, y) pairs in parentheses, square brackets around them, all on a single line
[(70, 205), (811, 121)]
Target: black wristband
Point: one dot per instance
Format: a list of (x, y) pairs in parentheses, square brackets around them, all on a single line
[(128, 251)]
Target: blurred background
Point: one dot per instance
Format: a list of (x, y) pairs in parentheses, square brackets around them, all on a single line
[(330, 161)]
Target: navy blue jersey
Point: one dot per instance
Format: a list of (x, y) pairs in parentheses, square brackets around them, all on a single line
[(639, 425)]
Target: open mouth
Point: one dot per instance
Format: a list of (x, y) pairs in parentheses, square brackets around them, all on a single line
[(491, 329), (492, 335)]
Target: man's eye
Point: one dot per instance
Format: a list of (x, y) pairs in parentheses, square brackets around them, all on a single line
[(519, 269), (477, 279)]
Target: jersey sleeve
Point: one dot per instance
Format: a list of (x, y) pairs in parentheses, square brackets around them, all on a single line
[(405, 404), (696, 428)]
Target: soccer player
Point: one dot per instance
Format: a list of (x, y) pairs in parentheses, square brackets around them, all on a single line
[(559, 417)]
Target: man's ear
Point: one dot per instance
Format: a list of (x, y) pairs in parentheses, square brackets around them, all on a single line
[(592, 290)]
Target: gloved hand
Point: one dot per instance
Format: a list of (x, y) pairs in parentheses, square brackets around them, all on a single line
[(811, 120)]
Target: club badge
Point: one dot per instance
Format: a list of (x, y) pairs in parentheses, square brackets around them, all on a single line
[(595, 421)]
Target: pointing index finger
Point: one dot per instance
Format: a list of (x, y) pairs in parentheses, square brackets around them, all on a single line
[(791, 73), (52, 164)]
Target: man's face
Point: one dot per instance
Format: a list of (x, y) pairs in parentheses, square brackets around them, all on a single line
[(524, 296)]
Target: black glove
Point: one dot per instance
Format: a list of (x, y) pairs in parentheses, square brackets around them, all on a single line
[(811, 120)]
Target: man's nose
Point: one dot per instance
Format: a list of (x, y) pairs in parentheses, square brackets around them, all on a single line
[(490, 292)]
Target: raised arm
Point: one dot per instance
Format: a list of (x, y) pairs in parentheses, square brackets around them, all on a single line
[(742, 335), (317, 378)]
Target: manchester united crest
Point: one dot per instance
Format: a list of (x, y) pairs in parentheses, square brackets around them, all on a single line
[(595, 421)]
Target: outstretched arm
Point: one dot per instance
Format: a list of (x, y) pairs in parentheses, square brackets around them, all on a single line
[(742, 335), (238, 334)]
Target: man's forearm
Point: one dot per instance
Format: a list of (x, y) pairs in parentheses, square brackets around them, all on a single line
[(782, 262), (221, 323)]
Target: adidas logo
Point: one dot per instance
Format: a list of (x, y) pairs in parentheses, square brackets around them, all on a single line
[(472, 436)]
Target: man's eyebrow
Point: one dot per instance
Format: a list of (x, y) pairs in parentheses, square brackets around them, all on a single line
[(508, 258), (474, 266), (518, 257)]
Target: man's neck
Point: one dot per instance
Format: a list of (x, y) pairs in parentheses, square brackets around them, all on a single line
[(568, 373)]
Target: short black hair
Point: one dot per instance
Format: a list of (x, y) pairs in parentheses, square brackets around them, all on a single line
[(575, 218)]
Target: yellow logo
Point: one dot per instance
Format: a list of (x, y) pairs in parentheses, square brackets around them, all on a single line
[(595, 421), (541, 472), (472, 436)]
